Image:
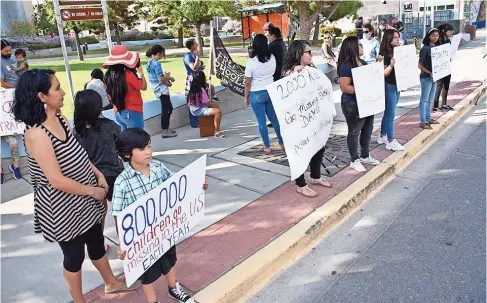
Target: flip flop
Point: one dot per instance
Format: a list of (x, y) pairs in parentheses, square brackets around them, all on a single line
[(109, 290), (266, 150)]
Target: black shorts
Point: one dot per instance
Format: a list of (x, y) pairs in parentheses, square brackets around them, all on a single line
[(161, 267), (111, 184), (74, 250)]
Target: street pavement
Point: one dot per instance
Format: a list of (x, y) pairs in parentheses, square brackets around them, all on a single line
[(31, 269), (419, 239)]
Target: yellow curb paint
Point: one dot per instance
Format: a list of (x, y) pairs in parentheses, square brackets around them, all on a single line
[(252, 273)]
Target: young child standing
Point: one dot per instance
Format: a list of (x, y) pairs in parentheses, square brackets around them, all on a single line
[(97, 135), (22, 64), (160, 83), (141, 176)]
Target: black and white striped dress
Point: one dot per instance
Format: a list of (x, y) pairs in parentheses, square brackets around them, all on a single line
[(60, 216)]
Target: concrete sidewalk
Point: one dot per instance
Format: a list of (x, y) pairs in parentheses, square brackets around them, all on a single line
[(250, 201)]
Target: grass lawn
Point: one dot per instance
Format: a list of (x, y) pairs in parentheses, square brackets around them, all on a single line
[(80, 74)]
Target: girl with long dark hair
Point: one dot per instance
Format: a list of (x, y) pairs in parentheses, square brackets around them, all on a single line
[(390, 40), (67, 187), (124, 86), (97, 135), (298, 57), (259, 72), (160, 82), (348, 59), (428, 87), (443, 85), (199, 103)]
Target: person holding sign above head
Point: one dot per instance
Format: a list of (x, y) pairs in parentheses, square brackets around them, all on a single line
[(299, 56), (443, 85), (428, 87), (259, 72), (348, 59), (68, 188), (390, 40), (141, 176)]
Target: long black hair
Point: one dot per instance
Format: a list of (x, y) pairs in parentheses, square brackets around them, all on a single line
[(385, 45), (116, 84), (198, 82), (349, 52), (260, 48), (27, 106), (87, 109), (443, 28), (130, 139), (293, 55), (426, 39), (154, 50)]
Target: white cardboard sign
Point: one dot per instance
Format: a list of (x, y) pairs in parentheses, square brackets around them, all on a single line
[(440, 61), (406, 67), (8, 125), (149, 227), (368, 81), (455, 43), (304, 107)]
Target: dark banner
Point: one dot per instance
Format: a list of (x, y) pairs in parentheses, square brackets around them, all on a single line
[(231, 74)]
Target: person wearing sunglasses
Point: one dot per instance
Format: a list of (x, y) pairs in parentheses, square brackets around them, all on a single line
[(370, 45)]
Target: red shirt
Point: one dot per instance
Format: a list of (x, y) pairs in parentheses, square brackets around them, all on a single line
[(133, 99)]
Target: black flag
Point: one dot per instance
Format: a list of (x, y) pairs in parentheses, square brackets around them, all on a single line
[(231, 74)]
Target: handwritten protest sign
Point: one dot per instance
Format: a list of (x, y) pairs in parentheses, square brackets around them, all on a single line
[(8, 126), (440, 61), (455, 43), (304, 107), (149, 227), (406, 67), (368, 81)]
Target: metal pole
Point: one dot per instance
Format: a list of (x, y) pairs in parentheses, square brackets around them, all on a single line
[(424, 18), (107, 25), (212, 45), (433, 14), (63, 46)]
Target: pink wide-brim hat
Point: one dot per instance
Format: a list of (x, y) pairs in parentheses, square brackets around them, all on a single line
[(120, 55)]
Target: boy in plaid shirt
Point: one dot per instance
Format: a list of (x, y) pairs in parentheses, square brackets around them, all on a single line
[(140, 177)]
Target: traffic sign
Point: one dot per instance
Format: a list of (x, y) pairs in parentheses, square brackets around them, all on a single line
[(81, 14)]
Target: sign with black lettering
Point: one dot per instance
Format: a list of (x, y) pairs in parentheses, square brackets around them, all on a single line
[(8, 125), (149, 227), (408, 7), (304, 107), (440, 61)]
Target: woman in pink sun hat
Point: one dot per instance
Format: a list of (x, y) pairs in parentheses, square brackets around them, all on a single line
[(125, 80)]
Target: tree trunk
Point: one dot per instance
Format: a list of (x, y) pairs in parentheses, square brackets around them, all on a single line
[(180, 37), (199, 38), (316, 34), (78, 45), (117, 35), (305, 25)]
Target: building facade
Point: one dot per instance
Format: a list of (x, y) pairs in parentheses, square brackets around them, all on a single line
[(14, 11), (372, 8)]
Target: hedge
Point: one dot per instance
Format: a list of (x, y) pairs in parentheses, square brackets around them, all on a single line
[(34, 47), (133, 37), (89, 40)]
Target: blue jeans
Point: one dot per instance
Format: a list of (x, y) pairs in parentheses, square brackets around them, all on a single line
[(129, 119), (387, 125), (427, 94), (262, 107), (193, 121)]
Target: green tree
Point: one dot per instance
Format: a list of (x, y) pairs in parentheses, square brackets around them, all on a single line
[(22, 28), (198, 12), (44, 18)]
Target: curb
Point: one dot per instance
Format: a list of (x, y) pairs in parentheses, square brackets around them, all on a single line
[(255, 271)]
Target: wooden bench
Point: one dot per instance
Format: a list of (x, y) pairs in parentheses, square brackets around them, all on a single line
[(207, 126)]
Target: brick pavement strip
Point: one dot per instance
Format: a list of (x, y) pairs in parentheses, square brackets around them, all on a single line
[(246, 248)]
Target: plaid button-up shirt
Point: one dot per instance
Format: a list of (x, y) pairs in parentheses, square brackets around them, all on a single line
[(131, 185)]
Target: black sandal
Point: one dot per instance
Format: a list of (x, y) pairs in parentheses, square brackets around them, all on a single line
[(446, 107)]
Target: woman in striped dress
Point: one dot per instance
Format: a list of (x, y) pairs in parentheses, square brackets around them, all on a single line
[(68, 189)]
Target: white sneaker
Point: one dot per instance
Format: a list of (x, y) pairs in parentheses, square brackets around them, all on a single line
[(357, 165), (394, 145), (370, 160), (382, 140)]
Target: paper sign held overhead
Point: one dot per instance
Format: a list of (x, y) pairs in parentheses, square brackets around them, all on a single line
[(304, 107), (455, 43), (368, 81)]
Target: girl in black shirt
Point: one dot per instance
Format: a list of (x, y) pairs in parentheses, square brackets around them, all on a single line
[(443, 85)]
